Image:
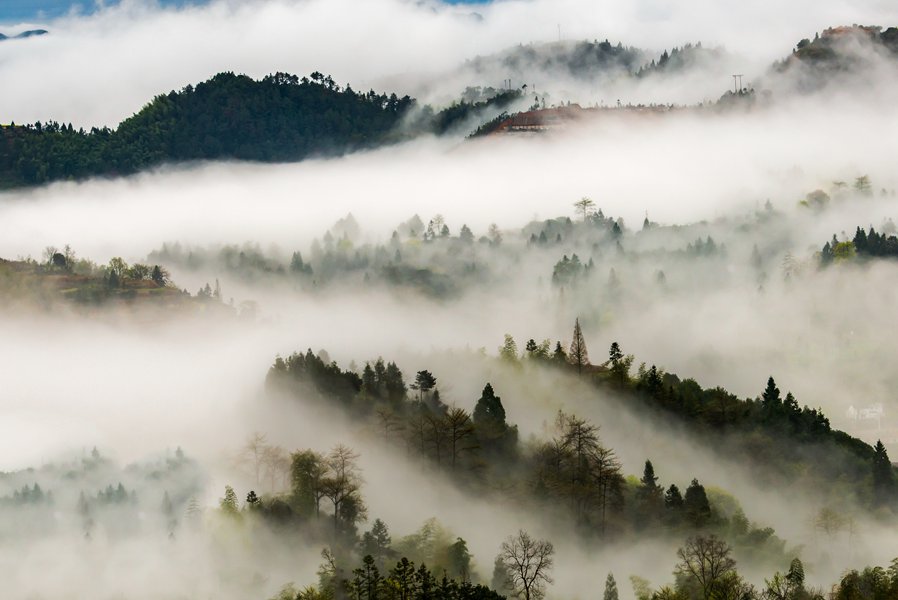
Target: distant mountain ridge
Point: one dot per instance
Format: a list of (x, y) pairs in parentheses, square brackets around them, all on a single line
[(588, 60), (24, 34), (283, 118), (280, 118)]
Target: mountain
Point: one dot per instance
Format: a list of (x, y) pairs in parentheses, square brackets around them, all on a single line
[(582, 60), (586, 64), (838, 53), (284, 118), (279, 118), (24, 34)]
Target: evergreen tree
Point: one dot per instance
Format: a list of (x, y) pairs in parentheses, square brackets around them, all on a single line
[(424, 382), (509, 349), (770, 399), (369, 381), (531, 348), (673, 500), (578, 356), (376, 542), (883, 475), (489, 410), (158, 276), (614, 353), (559, 355), (650, 495), (229, 502), (501, 579), (253, 500), (459, 560), (696, 505), (610, 588)]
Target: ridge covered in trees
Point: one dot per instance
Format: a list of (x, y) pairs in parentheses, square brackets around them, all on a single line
[(278, 118)]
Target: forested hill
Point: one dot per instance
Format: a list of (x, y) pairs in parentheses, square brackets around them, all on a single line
[(279, 118), (782, 444)]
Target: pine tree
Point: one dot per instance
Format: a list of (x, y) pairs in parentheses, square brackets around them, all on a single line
[(578, 355), (673, 500), (771, 398), (424, 382), (229, 502), (531, 348), (158, 276), (883, 476), (559, 355), (376, 542), (650, 494), (509, 349), (489, 410), (795, 577), (610, 588), (698, 509)]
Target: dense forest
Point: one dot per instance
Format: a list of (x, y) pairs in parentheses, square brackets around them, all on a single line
[(279, 118)]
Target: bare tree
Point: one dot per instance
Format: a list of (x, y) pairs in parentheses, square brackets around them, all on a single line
[(416, 432), (528, 563), (48, 253), (253, 452), (608, 480), (575, 467), (458, 429), (707, 561), (585, 207), (436, 435), (276, 463), (390, 423), (343, 481)]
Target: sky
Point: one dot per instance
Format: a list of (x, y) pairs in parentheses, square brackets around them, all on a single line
[(26, 10), (112, 62)]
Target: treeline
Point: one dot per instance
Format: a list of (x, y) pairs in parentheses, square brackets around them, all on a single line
[(706, 570), (571, 477), (781, 440), (864, 244), (677, 59), (279, 118), (61, 275), (425, 257), (323, 503), (92, 496)]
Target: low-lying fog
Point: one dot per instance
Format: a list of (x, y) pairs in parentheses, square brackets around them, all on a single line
[(136, 387), (168, 400)]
